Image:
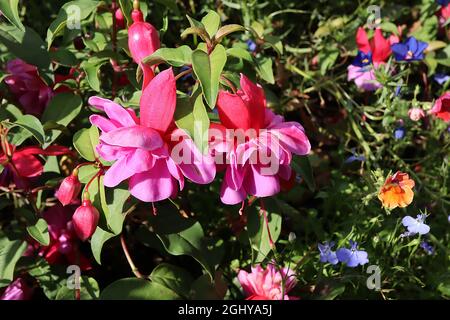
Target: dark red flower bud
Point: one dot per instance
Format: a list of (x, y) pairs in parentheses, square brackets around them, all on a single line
[(120, 19), (85, 220), (69, 189)]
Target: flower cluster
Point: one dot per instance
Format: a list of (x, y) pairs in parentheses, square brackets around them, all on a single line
[(352, 257)]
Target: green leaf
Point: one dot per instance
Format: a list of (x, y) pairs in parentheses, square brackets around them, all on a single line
[(62, 109), (72, 12), (28, 46), (48, 277), (10, 253), (302, 166), (137, 289), (204, 288), (173, 277), (85, 142), (115, 200), (10, 9), (39, 232), (98, 239), (89, 290), (211, 22), (92, 67), (240, 53), (171, 4), (64, 57), (226, 30), (191, 116), (126, 7), (176, 57), (257, 229), (183, 236), (265, 70), (208, 69), (32, 125)]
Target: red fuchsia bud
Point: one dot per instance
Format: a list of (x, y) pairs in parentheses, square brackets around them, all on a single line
[(120, 19), (85, 220), (69, 189), (143, 40)]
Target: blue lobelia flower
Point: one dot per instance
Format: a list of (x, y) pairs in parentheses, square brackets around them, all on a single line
[(251, 45), (410, 50), (354, 157), (427, 247), (326, 255), (443, 2), (352, 257), (441, 78), (416, 225), (399, 133), (362, 59)]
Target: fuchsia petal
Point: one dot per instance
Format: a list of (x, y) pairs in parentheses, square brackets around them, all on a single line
[(195, 166), (230, 196), (292, 135), (233, 112), (113, 110), (102, 123), (135, 162), (256, 101), (260, 185), (154, 185), (133, 137), (158, 102), (381, 47), (362, 41)]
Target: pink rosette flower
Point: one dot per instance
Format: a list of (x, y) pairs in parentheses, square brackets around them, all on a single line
[(149, 151), (266, 284), (415, 114), (441, 108), (29, 89), (255, 145)]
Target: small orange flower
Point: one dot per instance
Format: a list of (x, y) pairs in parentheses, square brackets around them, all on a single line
[(397, 191)]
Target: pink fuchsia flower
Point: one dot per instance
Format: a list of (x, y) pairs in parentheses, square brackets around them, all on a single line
[(63, 247), (267, 284), (69, 189), (256, 144), (441, 108), (415, 114), (443, 14), (364, 77), (143, 40), (146, 150), (17, 290), (26, 85), (85, 220), (379, 46)]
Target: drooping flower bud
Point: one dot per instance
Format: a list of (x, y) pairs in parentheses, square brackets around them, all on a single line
[(143, 40), (85, 220), (69, 189), (120, 19)]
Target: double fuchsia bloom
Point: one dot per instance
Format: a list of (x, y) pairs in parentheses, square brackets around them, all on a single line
[(257, 145), (147, 150), (266, 284), (380, 50), (143, 40), (26, 85)]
